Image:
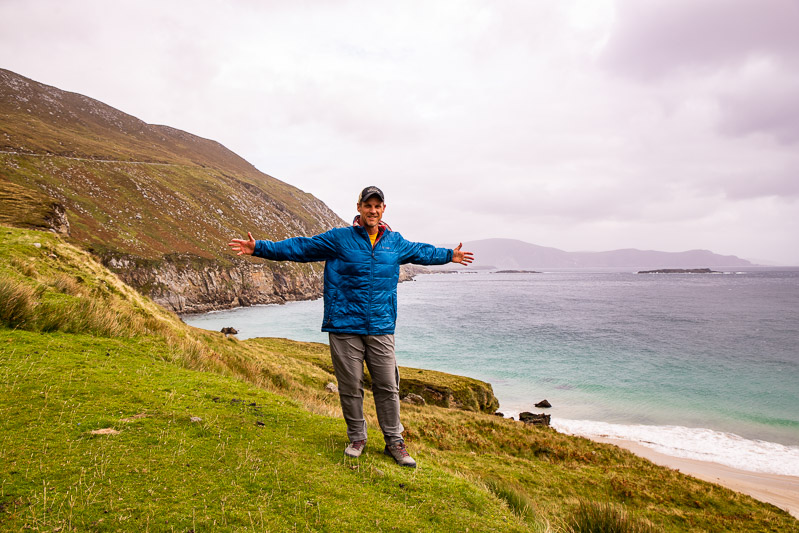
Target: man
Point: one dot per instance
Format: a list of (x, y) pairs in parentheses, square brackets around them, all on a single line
[(360, 297)]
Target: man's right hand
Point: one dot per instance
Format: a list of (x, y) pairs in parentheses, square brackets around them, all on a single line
[(243, 247)]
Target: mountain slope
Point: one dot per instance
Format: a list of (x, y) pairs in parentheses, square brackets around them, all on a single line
[(157, 204), (511, 253)]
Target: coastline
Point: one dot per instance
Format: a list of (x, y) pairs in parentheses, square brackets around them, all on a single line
[(779, 490), (299, 321)]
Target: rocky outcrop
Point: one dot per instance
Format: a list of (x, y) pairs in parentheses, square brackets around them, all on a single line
[(534, 419), (408, 272), (414, 399), (446, 390), (56, 219)]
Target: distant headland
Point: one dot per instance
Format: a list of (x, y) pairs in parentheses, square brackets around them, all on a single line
[(511, 254), (680, 271)]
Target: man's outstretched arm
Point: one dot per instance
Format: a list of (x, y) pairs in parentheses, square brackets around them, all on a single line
[(243, 247), (427, 254), (300, 249)]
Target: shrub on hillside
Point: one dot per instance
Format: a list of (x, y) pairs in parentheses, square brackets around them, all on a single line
[(25, 267), (598, 517), (17, 301), (67, 284)]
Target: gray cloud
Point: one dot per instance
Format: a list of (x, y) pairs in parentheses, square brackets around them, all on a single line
[(655, 38), (737, 55), (768, 183), (772, 109), (580, 124)]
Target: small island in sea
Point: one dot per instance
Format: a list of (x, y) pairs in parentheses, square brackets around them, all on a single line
[(680, 271)]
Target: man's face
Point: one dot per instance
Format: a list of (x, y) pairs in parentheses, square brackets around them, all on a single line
[(371, 211)]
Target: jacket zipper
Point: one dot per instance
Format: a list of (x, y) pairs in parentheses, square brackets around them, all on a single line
[(371, 283), (371, 278)]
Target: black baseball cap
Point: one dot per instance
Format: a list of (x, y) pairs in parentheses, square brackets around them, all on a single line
[(369, 192)]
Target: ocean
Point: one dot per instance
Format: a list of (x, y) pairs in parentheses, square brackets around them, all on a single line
[(702, 366)]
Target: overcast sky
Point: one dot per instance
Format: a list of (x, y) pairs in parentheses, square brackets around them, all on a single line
[(580, 124)]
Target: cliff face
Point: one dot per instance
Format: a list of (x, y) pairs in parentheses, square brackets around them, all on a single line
[(186, 285), (157, 205)]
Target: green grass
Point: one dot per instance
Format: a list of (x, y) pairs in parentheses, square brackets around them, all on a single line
[(256, 461), (267, 452), (18, 304), (519, 502)]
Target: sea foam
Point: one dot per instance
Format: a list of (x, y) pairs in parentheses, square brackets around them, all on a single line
[(695, 443)]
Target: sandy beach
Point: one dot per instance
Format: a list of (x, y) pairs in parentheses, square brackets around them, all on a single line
[(782, 491)]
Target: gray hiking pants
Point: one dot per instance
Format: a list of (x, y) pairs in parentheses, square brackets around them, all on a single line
[(349, 352)]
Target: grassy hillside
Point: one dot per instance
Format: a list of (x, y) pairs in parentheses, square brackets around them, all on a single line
[(152, 210), (218, 434), (132, 187), (154, 202)]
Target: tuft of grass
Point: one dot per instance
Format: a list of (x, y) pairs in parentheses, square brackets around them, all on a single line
[(17, 301), (85, 315), (27, 268), (67, 284), (519, 502), (604, 517)]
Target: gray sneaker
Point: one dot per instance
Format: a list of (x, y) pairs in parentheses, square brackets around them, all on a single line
[(400, 454), (355, 449)]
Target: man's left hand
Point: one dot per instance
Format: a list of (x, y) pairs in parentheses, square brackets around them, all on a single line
[(459, 256)]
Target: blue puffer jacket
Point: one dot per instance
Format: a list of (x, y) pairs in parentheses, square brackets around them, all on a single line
[(360, 282)]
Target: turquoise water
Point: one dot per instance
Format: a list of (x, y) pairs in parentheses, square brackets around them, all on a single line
[(694, 365)]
